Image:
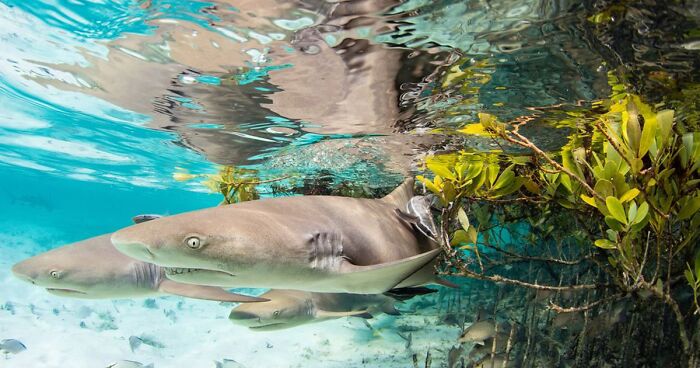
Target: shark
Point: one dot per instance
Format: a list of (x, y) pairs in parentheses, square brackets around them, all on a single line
[(291, 308), (325, 244), (94, 269)]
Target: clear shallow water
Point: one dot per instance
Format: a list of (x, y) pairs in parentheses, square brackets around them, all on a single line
[(101, 102)]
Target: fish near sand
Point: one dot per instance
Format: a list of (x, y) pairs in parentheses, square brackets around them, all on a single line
[(228, 363), (481, 331), (313, 243), (11, 346), (129, 364), (94, 269), (290, 308)]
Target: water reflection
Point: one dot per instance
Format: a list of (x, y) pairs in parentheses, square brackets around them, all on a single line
[(240, 81)]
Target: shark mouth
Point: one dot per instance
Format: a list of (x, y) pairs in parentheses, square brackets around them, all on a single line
[(67, 291), (268, 326), (170, 271)]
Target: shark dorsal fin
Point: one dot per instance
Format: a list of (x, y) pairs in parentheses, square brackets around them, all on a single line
[(401, 195)]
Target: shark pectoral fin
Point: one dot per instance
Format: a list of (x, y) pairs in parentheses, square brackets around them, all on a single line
[(205, 292), (379, 278), (329, 314)]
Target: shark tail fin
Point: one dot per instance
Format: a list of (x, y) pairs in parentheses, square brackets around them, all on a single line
[(401, 195), (205, 292)]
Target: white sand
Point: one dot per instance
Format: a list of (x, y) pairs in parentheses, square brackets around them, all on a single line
[(194, 333)]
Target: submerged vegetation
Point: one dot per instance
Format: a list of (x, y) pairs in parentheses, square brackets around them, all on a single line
[(612, 215)]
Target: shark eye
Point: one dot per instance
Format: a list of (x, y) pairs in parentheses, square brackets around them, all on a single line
[(193, 242), (55, 274), (276, 314)]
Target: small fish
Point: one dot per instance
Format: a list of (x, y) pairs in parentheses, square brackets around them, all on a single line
[(454, 357), (11, 346), (496, 361), (129, 364), (134, 342), (568, 321), (228, 363), (478, 332)]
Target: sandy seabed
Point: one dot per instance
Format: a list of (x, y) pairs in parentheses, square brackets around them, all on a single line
[(63, 332)]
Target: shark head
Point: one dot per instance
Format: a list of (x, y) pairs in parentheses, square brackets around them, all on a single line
[(286, 309), (206, 242), (62, 271)]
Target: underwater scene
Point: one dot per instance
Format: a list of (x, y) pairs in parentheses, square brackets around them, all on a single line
[(349, 183)]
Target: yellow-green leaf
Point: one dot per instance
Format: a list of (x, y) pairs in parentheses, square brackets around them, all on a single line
[(616, 210), (441, 170), (459, 237), (605, 244), (463, 219), (664, 120), (642, 212), (648, 134), (588, 200), (429, 184), (505, 178), (629, 195), (472, 234)]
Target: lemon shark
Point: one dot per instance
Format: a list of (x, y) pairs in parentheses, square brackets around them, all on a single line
[(291, 308), (93, 269), (312, 243)]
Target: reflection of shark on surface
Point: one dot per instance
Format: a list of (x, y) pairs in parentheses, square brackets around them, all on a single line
[(93, 269), (291, 308), (312, 243)]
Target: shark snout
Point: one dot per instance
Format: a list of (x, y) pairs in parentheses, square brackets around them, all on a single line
[(22, 272), (236, 315)]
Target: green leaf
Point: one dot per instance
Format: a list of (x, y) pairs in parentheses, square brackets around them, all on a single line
[(642, 212), (629, 195), (689, 276), (648, 134), (632, 212), (441, 170), (492, 173), (463, 219), (616, 210), (449, 192), (614, 224), (605, 244), (459, 237), (505, 178), (689, 208)]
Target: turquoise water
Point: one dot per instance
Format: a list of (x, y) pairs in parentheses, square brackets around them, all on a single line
[(110, 109)]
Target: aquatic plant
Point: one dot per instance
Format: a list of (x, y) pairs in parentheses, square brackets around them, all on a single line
[(627, 181), (235, 184)]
